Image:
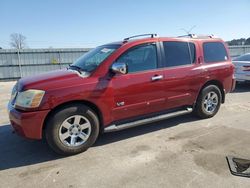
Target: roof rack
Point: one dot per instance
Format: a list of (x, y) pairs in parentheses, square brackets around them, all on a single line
[(198, 36), (152, 35)]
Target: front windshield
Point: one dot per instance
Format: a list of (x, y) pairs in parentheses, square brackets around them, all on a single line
[(92, 59)]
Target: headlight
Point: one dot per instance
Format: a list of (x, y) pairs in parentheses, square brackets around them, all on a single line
[(13, 93), (29, 99)]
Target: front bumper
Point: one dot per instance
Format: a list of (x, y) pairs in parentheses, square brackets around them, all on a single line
[(27, 124)]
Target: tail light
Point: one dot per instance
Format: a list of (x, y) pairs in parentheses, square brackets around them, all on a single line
[(246, 68)]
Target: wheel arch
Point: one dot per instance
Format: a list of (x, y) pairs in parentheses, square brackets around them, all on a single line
[(216, 83), (89, 104)]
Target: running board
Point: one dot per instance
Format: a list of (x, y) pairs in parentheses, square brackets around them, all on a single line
[(114, 127)]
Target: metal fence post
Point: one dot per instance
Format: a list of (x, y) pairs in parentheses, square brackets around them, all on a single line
[(19, 63), (59, 60)]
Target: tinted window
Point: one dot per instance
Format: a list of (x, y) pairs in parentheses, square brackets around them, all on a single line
[(214, 52), (179, 53), (245, 57), (140, 58)]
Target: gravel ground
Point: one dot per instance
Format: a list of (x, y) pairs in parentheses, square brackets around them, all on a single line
[(179, 152)]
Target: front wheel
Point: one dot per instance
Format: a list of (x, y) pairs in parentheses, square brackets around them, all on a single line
[(72, 129), (208, 102)]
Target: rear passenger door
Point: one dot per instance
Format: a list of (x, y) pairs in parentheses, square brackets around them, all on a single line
[(181, 76)]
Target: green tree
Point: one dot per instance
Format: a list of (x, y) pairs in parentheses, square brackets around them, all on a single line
[(247, 41), (236, 42)]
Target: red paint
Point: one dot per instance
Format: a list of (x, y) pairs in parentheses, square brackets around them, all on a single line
[(28, 124), (179, 86)]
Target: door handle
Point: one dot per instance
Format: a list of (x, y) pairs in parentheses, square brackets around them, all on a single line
[(157, 77)]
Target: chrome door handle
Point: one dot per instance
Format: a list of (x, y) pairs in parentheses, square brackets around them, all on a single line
[(157, 77)]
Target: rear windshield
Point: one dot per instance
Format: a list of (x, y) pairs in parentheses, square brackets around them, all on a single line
[(214, 52)]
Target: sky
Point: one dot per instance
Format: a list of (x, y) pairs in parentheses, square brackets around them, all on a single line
[(89, 23)]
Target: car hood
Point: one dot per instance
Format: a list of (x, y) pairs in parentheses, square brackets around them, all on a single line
[(52, 80)]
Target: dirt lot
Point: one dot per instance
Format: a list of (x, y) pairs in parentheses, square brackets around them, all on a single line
[(180, 152)]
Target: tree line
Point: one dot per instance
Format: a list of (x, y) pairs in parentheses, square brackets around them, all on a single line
[(237, 42)]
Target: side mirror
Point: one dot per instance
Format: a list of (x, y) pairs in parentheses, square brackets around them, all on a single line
[(121, 68)]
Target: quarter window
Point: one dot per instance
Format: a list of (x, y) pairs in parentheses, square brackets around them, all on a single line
[(140, 58), (214, 52), (179, 53)]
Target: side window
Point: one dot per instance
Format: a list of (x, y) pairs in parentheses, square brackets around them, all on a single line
[(214, 52), (140, 58), (179, 53)]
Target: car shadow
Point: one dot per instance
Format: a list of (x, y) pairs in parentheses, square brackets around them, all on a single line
[(242, 87), (16, 151)]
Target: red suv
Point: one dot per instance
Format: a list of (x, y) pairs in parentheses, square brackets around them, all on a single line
[(121, 85)]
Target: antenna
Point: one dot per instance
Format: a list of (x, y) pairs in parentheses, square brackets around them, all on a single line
[(188, 31)]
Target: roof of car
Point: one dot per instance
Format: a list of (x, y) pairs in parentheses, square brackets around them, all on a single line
[(190, 36)]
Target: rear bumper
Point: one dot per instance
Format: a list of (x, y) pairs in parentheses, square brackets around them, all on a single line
[(27, 124), (242, 77)]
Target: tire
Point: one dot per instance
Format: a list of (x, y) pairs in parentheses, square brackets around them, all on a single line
[(72, 129), (205, 108)]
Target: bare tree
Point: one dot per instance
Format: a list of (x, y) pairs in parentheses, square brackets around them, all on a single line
[(17, 41)]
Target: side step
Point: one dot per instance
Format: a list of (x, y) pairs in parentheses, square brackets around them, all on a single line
[(114, 127)]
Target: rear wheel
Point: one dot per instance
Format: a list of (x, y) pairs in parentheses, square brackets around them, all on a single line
[(72, 129), (208, 102)]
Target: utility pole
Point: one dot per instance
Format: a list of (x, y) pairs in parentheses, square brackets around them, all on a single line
[(19, 61), (17, 41)]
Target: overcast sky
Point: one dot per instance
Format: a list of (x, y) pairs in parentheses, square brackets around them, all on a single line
[(88, 23)]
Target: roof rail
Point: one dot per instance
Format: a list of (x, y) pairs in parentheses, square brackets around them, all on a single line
[(198, 36), (188, 35), (152, 35)]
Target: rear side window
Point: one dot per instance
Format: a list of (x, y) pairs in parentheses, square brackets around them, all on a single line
[(179, 53), (214, 52)]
